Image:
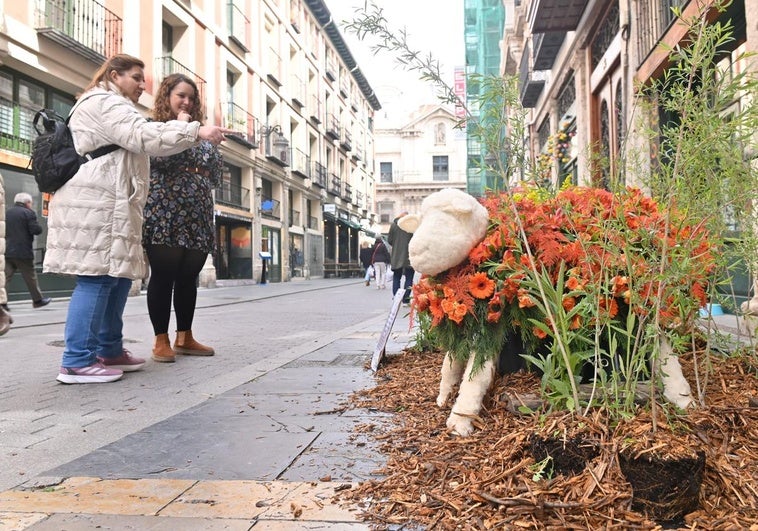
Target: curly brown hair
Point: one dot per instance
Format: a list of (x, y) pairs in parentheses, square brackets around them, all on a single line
[(162, 109)]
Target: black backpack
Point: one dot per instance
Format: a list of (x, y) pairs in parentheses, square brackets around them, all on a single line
[(54, 160)]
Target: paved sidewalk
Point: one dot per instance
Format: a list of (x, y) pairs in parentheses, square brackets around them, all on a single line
[(263, 448)]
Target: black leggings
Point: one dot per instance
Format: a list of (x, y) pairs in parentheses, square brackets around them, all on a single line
[(173, 270)]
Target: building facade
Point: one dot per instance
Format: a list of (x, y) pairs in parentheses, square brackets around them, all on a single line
[(416, 159), (579, 64), (276, 71)]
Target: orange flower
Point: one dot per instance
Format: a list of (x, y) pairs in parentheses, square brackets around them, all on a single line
[(576, 322), (494, 317), (481, 286), (568, 303), (525, 300), (539, 332)]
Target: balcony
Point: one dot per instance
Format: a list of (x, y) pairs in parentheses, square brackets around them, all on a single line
[(239, 26), (245, 125), (168, 65), (357, 153), (346, 142), (233, 195), (335, 184), (297, 90), (332, 126), (313, 222), (555, 15), (294, 218), (85, 27), (315, 109), (318, 175), (546, 48), (270, 207), (654, 19), (331, 67), (530, 87), (358, 199), (277, 147), (344, 85), (301, 163), (274, 67), (347, 193)]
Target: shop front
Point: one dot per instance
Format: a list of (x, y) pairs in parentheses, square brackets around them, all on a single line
[(233, 258)]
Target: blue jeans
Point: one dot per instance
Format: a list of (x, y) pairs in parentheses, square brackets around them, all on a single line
[(94, 322), (408, 273)]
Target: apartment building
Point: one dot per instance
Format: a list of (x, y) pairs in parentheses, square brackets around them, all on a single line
[(579, 62), (417, 158), (298, 176)]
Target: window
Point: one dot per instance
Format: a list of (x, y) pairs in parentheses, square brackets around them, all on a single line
[(20, 99), (440, 168), (385, 172)]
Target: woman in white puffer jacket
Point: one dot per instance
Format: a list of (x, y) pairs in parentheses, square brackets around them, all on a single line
[(95, 220)]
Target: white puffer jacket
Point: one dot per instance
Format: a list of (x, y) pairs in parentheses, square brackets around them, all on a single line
[(95, 219)]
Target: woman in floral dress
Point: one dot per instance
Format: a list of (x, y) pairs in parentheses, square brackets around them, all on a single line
[(178, 230)]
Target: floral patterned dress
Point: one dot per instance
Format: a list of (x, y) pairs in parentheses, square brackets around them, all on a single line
[(179, 208)]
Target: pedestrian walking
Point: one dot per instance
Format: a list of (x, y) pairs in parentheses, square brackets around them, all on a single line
[(178, 232), (365, 256), (95, 221), (5, 316), (380, 258), (399, 259), (21, 226)]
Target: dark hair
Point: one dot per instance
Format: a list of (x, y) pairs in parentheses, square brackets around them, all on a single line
[(118, 63), (162, 108)]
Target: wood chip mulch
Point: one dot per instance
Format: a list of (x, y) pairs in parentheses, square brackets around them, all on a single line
[(436, 480)]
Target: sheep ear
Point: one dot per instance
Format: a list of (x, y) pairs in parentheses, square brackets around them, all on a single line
[(462, 206), (409, 223)]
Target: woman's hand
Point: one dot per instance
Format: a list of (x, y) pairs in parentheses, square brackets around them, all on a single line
[(213, 134), (184, 116)]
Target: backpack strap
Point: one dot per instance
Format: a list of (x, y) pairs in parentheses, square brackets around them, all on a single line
[(102, 150)]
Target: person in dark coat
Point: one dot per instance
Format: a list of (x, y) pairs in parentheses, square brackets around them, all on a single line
[(365, 256), (380, 258), (399, 259), (21, 227)]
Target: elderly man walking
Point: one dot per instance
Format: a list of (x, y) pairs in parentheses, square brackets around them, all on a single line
[(21, 227)]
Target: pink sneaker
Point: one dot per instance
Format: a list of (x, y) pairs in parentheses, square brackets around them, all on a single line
[(125, 362), (95, 373)]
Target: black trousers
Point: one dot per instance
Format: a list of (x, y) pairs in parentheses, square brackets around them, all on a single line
[(173, 275)]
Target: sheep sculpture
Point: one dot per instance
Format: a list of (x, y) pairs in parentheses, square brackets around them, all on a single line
[(475, 289)]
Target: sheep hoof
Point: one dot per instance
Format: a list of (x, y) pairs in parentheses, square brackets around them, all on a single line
[(460, 425)]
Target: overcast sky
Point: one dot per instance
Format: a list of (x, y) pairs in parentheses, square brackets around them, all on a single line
[(434, 26)]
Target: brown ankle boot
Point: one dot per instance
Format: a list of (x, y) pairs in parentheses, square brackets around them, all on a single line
[(186, 344), (162, 350)]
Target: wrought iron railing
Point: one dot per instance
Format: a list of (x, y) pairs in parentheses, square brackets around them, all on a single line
[(270, 207), (294, 218), (319, 174), (653, 20), (168, 65), (239, 25), (233, 195), (245, 125), (84, 26), (335, 184), (301, 163)]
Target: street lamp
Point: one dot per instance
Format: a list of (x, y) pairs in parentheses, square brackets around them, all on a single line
[(279, 146)]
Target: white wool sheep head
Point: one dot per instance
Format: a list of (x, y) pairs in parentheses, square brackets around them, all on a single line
[(449, 225)]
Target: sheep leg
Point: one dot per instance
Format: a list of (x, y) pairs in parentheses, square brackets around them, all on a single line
[(452, 370), (676, 388), (470, 396)]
